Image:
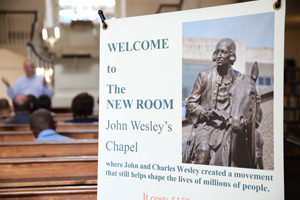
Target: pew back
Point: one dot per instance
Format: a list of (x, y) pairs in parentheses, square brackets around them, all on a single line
[(49, 149), (19, 136), (60, 126), (23, 172), (55, 192)]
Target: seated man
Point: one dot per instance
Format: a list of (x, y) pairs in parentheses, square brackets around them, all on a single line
[(44, 102), (34, 101), (82, 108), (43, 127), (22, 108)]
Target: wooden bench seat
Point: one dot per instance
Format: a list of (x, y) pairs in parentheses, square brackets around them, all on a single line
[(54, 192), (58, 117), (49, 149), (59, 127), (67, 114), (29, 172), (19, 136), (61, 118), (2, 120)]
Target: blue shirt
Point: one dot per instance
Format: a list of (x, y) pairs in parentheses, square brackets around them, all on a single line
[(51, 135), (33, 85), (21, 118)]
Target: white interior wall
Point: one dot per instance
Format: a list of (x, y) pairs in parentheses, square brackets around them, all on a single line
[(79, 39), (73, 76), (11, 68)]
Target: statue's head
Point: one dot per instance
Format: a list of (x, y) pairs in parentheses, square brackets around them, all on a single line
[(224, 53)]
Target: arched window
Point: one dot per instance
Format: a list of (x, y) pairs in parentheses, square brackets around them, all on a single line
[(87, 10)]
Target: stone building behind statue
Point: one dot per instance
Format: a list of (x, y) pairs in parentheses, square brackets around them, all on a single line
[(197, 54)]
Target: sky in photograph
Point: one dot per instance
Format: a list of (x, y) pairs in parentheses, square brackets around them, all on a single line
[(256, 30)]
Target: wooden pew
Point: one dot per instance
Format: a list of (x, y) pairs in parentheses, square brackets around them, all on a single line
[(16, 136), (55, 192), (62, 117), (53, 171), (67, 114), (70, 115), (58, 117), (60, 126), (49, 149), (21, 136), (2, 120)]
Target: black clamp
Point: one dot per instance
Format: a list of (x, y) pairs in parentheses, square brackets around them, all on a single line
[(102, 17), (277, 5)]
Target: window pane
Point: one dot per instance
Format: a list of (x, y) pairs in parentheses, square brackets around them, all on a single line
[(260, 81), (268, 81), (87, 10)]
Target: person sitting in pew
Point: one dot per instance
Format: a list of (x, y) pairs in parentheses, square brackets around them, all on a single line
[(43, 127), (82, 109), (22, 108), (44, 102), (34, 102), (5, 110)]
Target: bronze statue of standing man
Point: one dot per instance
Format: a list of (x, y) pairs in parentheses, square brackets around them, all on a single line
[(208, 107)]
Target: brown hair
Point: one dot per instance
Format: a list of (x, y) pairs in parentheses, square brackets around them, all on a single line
[(4, 104), (82, 105), (41, 120)]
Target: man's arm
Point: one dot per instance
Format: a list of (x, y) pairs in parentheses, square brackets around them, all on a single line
[(10, 90)]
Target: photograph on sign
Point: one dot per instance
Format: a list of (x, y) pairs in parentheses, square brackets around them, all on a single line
[(228, 124)]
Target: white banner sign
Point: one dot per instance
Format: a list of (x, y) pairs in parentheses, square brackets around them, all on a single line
[(178, 118)]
